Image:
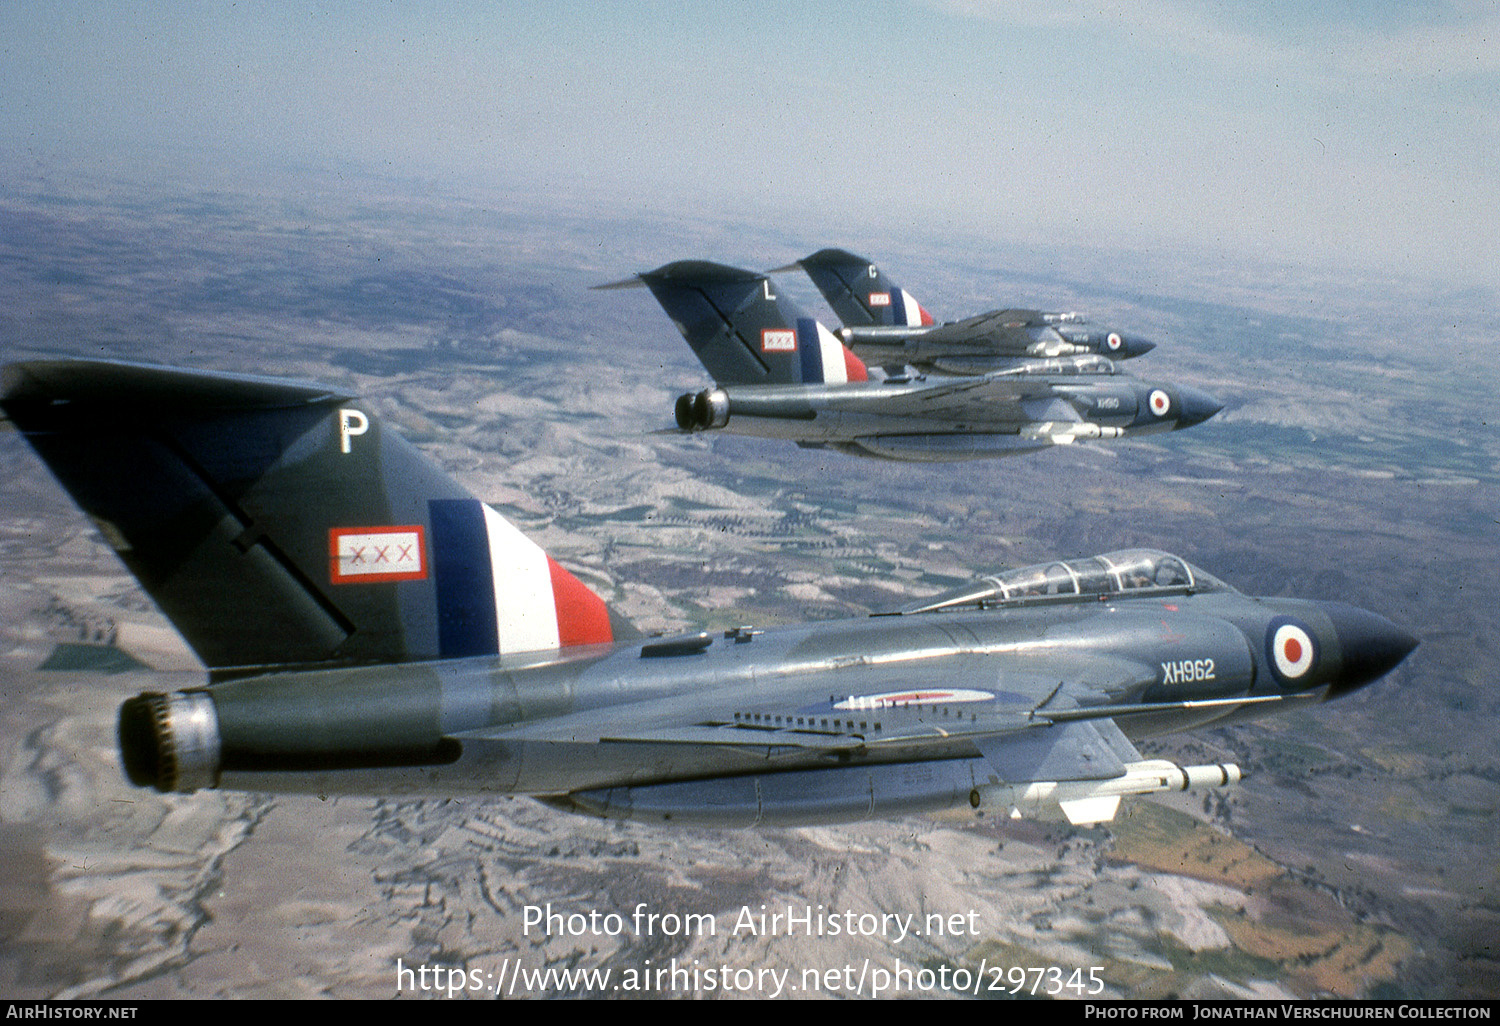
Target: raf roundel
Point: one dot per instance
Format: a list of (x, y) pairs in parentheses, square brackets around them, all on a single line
[(1292, 649), (1114, 341), (1161, 403)]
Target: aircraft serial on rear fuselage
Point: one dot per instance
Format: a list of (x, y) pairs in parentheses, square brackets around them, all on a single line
[(371, 628), (781, 374), (883, 323)]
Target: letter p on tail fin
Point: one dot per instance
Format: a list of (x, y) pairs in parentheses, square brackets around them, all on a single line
[(277, 524)]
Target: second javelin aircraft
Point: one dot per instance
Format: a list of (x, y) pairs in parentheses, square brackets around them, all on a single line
[(779, 373)]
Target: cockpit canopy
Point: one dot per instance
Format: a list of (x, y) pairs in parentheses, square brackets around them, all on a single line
[(1125, 573)]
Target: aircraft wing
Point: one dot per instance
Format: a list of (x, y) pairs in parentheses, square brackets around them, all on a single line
[(999, 330), (988, 398), (586, 728), (1052, 721), (1047, 733), (1087, 750), (1005, 716), (1020, 751)]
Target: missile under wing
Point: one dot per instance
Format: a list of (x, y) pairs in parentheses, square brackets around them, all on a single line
[(779, 373), (370, 627), (883, 322)]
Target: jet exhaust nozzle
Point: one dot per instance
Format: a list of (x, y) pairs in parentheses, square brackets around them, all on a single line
[(170, 742), (705, 411)]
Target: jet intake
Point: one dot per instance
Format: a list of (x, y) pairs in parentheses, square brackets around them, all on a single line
[(170, 742), (705, 411), (1085, 802)]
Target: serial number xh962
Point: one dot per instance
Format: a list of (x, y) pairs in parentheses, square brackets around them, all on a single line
[(1186, 671)]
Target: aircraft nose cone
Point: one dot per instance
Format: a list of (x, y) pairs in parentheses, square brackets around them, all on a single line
[(1371, 644), (1115, 344), (1196, 407)]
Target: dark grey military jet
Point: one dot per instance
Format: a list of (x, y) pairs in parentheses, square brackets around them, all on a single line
[(779, 373), (884, 324), (369, 627)]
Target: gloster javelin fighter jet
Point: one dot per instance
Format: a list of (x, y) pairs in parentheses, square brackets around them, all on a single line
[(779, 373), (884, 324), (371, 628)]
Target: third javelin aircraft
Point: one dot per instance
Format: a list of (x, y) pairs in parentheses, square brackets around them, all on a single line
[(884, 322), (779, 373)]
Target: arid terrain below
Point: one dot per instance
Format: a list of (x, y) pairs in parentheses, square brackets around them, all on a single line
[(1356, 459)]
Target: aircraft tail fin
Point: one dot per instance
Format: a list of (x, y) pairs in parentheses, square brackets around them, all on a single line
[(276, 524), (744, 332), (860, 293)]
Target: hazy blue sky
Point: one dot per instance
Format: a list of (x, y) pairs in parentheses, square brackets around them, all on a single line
[(1353, 132)]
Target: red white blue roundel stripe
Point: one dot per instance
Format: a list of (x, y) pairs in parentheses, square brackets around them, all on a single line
[(1114, 341), (498, 592), (826, 360), (906, 311), (1161, 403), (1291, 649)]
